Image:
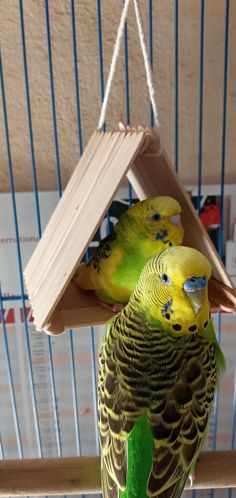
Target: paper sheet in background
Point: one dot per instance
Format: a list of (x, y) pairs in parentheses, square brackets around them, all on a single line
[(9, 274)]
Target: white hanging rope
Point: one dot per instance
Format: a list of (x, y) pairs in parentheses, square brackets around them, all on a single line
[(113, 63), (146, 62), (115, 57)]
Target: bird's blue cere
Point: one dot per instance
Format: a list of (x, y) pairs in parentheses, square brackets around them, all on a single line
[(194, 284)]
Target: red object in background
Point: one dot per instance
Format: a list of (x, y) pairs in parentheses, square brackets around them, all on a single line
[(28, 312), (9, 316), (210, 215)]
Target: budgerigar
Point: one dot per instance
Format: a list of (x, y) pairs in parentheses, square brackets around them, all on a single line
[(159, 364), (144, 230)]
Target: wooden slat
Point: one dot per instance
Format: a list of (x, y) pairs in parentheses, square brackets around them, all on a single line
[(81, 217), (67, 212), (153, 175), (66, 476), (70, 234), (56, 217), (80, 232), (222, 297)]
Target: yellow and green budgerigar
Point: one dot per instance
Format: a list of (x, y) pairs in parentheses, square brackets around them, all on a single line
[(159, 365), (145, 229)]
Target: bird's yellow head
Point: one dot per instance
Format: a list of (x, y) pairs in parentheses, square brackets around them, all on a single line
[(172, 289), (156, 219)]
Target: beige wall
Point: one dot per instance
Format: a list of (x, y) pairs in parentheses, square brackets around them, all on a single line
[(88, 65)]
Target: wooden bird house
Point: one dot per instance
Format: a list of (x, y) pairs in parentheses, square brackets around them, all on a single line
[(56, 302)]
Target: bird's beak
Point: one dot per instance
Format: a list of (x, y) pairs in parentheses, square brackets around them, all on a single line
[(197, 299), (175, 219), (195, 288)]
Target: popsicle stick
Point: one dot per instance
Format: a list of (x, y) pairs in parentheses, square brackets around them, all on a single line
[(64, 201)]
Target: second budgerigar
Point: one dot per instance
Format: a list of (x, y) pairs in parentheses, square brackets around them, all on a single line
[(145, 229)]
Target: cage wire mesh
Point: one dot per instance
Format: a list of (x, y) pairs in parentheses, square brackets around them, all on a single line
[(48, 385)]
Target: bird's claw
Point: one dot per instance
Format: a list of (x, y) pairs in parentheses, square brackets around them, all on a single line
[(114, 308), (191, 479)]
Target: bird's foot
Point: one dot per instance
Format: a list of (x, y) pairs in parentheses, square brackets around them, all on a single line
[(117, 307), (191, 478), (114, 308)]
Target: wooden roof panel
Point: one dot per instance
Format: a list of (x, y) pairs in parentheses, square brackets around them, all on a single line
[(77, 217)]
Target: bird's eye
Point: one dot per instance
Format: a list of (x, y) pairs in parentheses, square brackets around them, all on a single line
[(155, 217), (165, 279)]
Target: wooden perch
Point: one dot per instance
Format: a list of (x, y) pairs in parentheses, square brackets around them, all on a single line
[(63, 476), (108, 157)]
